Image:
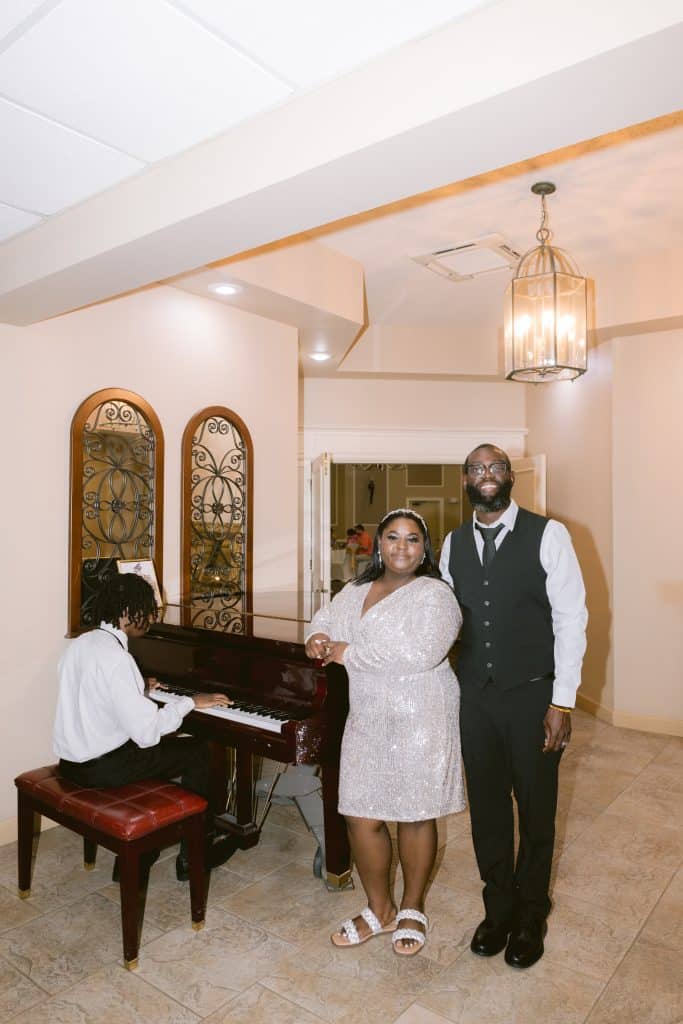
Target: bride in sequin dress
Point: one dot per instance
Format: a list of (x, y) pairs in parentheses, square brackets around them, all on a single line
[(392, 629)]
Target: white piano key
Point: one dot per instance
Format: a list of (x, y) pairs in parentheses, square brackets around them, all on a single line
[(257, 721)]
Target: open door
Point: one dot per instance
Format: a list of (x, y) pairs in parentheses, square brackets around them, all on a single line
[(529, 489), (321, 539)]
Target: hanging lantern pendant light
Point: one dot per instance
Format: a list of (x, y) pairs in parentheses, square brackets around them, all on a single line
[(545, 311)]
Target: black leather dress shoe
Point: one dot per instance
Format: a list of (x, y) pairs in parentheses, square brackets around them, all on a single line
[(146, 861), (526, 944), (490, 938), (218, 853)]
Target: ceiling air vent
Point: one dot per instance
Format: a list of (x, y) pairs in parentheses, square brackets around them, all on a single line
[(471, 259)]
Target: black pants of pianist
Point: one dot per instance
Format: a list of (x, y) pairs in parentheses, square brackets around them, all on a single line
[(175, 757)]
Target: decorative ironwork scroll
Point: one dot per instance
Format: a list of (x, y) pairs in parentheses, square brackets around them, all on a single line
[(116, 467), (217, 516)]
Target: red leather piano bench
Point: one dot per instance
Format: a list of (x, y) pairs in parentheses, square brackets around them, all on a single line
[(130, 820)]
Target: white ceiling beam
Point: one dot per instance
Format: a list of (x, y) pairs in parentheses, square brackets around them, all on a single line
[(427, 114)]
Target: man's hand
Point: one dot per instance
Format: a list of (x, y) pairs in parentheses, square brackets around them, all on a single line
[(557, 726), (315, 644), (211, 700)]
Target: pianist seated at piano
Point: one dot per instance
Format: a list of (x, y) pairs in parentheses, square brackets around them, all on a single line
[(107, 732), (392, 629)]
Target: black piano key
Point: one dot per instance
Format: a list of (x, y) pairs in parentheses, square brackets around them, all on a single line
[(247, 706)]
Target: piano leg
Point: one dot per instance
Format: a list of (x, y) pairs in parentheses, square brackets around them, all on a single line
[(241, 826), (249, 831), (337, 850), (218, 794)]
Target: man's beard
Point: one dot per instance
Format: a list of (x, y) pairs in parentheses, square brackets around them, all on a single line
[(495, 502)]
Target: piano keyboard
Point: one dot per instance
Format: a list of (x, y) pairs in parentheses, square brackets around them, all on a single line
[(245, 714)]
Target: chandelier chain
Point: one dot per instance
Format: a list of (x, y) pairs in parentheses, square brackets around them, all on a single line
[(544, 233)]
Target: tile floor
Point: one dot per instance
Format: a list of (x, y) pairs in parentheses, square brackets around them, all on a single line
[(613, 953)]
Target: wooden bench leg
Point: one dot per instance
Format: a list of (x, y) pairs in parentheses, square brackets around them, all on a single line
[(129, 884), (25, 819), (194, 834), (89, 854)]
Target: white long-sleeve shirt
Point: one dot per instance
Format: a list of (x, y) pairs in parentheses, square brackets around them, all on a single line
[(566, 594), (101, 702)]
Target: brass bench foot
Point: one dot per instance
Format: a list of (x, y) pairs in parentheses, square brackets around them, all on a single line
[(24, 894), (197, 926), (131, 965), (89, 865)]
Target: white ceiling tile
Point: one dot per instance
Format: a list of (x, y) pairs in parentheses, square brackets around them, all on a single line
[(13, 221), (307, 41), (47, 167), (13, 12), (140, 76)]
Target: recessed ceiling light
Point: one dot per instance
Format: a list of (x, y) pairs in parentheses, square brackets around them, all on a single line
[(223, 288), (320, 357)]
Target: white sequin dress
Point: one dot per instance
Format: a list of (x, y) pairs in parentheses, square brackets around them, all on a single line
[(400, 758)]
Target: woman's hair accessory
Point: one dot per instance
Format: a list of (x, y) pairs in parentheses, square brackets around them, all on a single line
[(410, 512)]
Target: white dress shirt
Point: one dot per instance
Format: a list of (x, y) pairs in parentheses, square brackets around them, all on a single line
[(101, 702), (565, 590)]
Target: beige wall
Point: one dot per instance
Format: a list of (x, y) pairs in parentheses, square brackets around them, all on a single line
[(400, 404), (648, 543), (572, 425), (181, 353), (612, 438)]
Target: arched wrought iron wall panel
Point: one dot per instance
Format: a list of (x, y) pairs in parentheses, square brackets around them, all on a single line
[(117, 458), (217, 521)]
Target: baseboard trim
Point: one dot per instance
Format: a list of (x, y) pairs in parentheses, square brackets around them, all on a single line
[(8, 829), (625, 720)]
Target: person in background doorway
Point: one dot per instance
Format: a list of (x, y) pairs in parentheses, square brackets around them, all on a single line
[(364, 540), (364, 548), (349, 568)]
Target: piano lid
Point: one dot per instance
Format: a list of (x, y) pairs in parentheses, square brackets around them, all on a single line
[(274, 616)]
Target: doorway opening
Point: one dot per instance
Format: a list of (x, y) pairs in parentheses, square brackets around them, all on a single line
[(362, 493)]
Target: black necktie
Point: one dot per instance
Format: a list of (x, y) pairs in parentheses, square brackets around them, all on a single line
[(489, 535)]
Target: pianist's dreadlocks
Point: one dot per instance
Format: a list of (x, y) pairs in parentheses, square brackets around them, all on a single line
[(125, 596)]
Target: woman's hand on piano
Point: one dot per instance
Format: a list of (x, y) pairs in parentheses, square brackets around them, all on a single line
[(315, 644), (153, 683), (333, 650), (211, 700)]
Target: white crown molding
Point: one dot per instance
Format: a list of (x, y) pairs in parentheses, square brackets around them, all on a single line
[(407, 444)]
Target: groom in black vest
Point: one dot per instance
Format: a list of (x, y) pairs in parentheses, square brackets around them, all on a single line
[(520, 589)]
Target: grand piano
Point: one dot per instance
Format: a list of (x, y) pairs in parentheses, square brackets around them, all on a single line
[(287, 708)]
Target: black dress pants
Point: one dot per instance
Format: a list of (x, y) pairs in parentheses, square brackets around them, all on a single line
[(174, 757), (502, 742)]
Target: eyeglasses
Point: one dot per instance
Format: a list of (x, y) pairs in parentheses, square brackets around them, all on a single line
[(477, 469)]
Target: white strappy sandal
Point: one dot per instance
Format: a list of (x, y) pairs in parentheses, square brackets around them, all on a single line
[(349, 933), (409, 933)]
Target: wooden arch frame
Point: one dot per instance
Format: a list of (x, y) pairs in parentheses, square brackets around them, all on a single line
[(76, 490), (186, 499)]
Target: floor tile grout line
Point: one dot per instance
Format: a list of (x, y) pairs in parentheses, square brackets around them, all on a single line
[(200, 1016), (632, 944), (291, 1002), (24, 975)]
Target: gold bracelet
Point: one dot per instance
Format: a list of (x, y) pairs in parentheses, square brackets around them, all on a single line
[(556, 707)]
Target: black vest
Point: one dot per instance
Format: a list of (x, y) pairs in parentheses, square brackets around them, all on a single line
[(507, 633)]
